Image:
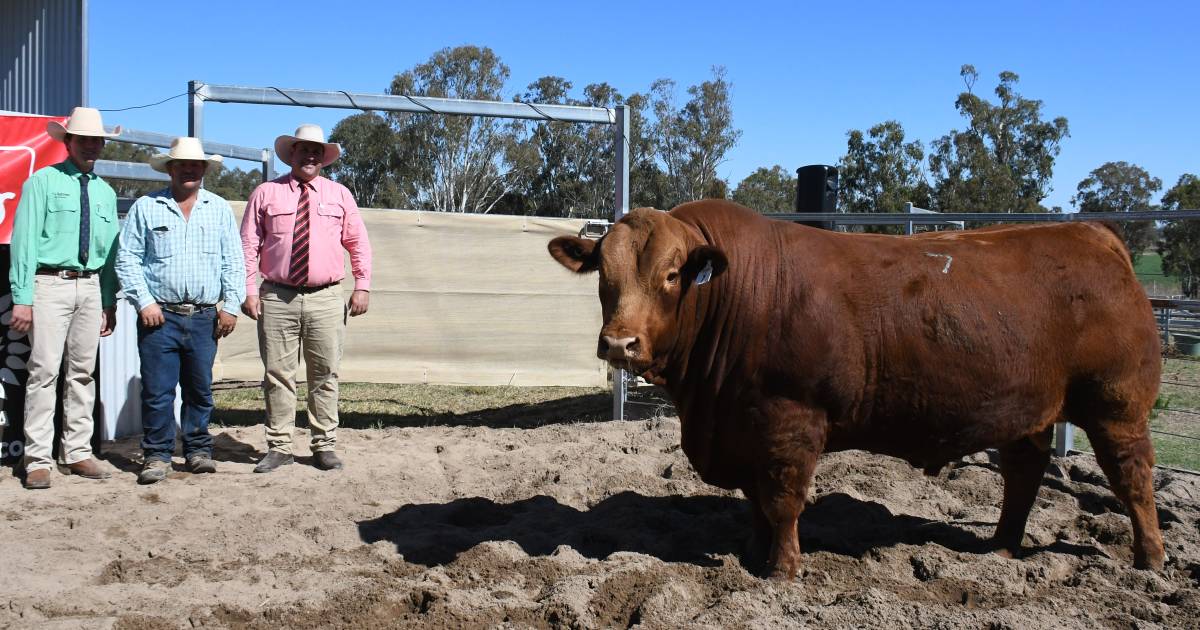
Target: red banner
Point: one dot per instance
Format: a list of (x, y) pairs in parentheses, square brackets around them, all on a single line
[(24, 148)]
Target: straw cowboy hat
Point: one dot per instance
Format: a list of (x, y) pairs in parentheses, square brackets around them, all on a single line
[(183, 148), (84, 121), (307, 133)]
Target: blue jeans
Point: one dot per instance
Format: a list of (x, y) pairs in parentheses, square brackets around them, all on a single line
[(180, 352)]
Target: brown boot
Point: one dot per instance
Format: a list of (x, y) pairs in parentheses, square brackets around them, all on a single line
[(37, 479), (88, 468), (273, 460), (327, 460)]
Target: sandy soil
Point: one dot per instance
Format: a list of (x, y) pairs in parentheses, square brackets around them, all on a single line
[(590, 524)]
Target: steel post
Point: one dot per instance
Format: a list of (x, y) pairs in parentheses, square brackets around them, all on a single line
[(620, 209)]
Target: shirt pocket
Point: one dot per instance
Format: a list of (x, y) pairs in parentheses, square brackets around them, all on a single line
[(162, 243), (331, 215), (210, 239), (280, 219), (62, 216), (104, 211)]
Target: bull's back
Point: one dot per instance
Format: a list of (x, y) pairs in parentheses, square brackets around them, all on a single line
[(961, 341)]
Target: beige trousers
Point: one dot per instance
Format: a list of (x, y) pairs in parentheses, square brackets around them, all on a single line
[(314, 323), (66, 337)]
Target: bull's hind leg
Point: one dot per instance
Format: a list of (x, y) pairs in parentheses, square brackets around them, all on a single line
[(1127, 457), (1022, 464)]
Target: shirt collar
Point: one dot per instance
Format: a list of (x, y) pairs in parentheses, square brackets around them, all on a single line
[(164, 197), (68, 167), (294, 184)]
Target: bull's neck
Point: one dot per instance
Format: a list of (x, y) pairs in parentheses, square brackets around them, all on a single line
[(700, 355), (723, 324)]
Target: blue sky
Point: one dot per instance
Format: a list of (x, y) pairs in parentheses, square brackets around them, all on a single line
[(803, 74)]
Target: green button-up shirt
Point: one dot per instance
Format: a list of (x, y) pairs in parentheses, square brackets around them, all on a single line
[(46, 230)]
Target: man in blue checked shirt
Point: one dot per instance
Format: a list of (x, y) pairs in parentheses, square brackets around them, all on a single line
[(180, 255)]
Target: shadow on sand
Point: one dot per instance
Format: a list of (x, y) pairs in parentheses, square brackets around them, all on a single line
[(693, 529)]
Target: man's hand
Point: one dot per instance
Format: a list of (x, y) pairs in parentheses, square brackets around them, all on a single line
[(225, 324), (359, 301), (152, 316), (22, 318), (252, 307), (108, 321)]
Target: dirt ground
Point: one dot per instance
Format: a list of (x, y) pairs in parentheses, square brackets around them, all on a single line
[(572, 524)]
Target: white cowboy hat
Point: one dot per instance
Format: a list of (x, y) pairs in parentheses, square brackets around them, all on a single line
[(183, 148), (84, 121), (307, 133)]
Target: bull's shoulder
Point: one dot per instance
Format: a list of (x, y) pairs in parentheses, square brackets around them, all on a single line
[(715, 210)]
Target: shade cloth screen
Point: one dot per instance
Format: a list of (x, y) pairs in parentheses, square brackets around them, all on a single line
[(459, 299)]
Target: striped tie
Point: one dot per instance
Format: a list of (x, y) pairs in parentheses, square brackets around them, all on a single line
[(85, 221), (298, 272)]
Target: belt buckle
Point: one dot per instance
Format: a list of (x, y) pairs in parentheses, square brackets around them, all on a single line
[(186, 310), (64, 274)]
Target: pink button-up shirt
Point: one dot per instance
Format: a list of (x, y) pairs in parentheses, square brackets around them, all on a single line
[(334, 223)]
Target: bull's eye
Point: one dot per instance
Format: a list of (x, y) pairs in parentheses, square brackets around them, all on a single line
[(672, 277)]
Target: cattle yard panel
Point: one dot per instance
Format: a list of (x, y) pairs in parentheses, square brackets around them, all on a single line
[(141, 171)]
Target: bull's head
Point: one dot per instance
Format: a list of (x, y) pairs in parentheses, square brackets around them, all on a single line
[(649, 263)]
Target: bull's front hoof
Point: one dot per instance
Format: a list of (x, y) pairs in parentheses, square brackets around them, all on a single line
[(1148, 562), (1004, 548), (1007, 554), (784, 570), (782, 575), (756, 553)]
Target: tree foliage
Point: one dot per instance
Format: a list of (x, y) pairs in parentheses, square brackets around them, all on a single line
[(692, 141), (1180, 245), (453, 163), (1121, 187), (544, 167), (369, 158), (881, 172), (770, 191), (232, 184), (1003, 161), (564, 168)]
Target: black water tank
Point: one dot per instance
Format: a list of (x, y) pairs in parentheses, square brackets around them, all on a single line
[(817, 191)]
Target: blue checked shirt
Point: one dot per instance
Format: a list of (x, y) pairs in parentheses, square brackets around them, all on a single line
[(166, 259)]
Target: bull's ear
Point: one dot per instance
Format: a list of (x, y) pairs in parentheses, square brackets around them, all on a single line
[(703, 264), (574, 253)]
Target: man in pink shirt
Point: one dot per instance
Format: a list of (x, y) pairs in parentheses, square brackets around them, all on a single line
[(294, 230)]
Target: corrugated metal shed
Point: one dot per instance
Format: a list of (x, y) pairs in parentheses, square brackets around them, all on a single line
[(120, 386), (43, 56)]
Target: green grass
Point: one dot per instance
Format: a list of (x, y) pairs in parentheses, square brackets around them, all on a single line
[(1179, 392), (374, 405), (1150, 273)]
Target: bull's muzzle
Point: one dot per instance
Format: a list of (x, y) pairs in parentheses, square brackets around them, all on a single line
[(618, 350)]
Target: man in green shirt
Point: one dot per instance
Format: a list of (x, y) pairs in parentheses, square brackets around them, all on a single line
[(64, 288)]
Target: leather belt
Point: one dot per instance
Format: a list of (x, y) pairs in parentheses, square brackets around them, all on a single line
[(65, 274), (301, 289), (186, 309)]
